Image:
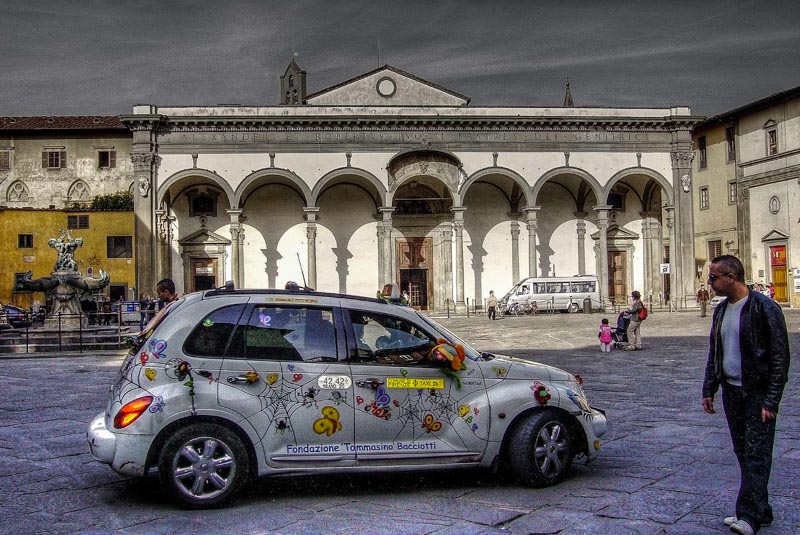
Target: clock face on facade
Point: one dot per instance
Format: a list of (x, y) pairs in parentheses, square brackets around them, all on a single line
[(774, 205), (386, 87)]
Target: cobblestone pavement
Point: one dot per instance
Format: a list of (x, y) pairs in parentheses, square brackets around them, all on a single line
[(665, 468)]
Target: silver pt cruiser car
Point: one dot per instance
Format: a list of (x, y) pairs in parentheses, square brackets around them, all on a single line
[(233, 384)]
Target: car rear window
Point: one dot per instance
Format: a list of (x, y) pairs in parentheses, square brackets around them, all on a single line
[(210, 337)]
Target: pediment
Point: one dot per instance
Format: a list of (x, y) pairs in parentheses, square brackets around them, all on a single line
[(204, 237), (617, 233), (387, 86), (775, 235)]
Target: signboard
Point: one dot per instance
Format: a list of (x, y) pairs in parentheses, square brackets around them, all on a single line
[(665, 269)]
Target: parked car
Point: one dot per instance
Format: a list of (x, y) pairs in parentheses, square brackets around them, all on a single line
[(18, 318), (233, 384), (717, 299)]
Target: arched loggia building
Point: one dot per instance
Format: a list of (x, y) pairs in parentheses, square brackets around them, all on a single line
[(389, 178)]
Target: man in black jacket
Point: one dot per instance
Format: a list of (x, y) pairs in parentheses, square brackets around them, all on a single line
[(749, 357)]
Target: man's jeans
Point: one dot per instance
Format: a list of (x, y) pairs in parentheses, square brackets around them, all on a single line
[(752, 444)]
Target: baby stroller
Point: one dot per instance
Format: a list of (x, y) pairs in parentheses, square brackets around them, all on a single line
[(620, 334)]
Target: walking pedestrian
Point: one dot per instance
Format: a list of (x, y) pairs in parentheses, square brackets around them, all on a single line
[(748, 356), (634, 335), (165, 289), (491, 305), (604, 334), (702, 299)]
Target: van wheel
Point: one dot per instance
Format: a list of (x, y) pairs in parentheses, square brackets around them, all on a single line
[(203, 465), (540, 450), (573, 308)]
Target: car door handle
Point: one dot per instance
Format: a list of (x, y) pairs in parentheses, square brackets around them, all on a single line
[(369, 383), (249, 377)]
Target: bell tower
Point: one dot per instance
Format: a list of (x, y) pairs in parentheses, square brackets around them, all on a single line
[(293, 85)]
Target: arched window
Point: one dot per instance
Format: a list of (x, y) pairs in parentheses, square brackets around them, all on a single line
[(771, 137), (79, 192), (18, 192)]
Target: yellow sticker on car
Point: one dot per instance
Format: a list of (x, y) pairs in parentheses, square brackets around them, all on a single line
[(413, 382)]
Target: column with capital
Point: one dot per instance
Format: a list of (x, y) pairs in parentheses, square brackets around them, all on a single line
[(162, 260), (458, 230), (670, 210), (581, 231), (385, 245), (447, 267), (311, 213), (515, 250), (530, 214), (602, 254), (148, 264), (236, 248), (682, 246)]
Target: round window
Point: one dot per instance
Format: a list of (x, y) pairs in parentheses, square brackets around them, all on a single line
[(386, 87)]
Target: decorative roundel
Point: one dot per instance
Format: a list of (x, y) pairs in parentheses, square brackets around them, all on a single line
[(386, 87), (774, 205)]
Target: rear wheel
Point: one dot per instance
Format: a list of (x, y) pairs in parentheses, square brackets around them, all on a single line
[(573, 308), (203, 465), (540, 450)]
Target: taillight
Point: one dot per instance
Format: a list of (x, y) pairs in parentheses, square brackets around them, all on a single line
[(131, 411)]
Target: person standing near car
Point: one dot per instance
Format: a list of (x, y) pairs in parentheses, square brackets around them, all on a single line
[(491, 305), (748, 356), (702, 300), (165, 289), (634, 336)]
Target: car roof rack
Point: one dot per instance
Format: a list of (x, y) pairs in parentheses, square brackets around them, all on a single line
[(291, 288)]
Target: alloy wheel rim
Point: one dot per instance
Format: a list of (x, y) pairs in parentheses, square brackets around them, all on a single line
[(551, 449), (204, 468)]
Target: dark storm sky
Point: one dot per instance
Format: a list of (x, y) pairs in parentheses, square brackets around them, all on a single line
[(94, 57)]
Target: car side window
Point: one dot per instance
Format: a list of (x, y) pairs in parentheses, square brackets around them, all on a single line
[(210, 337), (290, 333), (385, 339)]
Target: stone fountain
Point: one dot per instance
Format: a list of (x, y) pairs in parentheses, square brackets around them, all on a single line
[(65, 286)]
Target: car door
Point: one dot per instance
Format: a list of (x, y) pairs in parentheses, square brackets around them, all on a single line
[(406, 406), (284, 378)]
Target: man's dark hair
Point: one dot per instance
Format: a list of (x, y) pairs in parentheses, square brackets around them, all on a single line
[(166, 284), (730, 264)]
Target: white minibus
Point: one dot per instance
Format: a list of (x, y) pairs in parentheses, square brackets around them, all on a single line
[(554, 293)]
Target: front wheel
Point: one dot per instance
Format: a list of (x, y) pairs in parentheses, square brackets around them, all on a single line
[(540, 451), (573, 308), (203, 465)]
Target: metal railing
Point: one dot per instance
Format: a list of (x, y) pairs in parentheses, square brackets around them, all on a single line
[(31, 335)]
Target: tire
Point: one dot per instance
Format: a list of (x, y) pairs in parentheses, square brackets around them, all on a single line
[(573, 308), (540, 450), (203, 466)]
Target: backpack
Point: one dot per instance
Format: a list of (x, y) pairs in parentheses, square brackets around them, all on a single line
[(643, 313)]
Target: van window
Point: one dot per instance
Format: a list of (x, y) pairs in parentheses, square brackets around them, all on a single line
[(583, 287)]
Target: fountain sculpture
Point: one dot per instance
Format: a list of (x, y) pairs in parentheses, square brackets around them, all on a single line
[(65, 286)]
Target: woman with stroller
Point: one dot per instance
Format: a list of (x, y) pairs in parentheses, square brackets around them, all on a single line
[(634, 338)]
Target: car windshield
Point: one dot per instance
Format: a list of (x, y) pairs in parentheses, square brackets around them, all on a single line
[(470, 352)]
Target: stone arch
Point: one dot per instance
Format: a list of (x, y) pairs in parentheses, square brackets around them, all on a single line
[(366, 179), (432, 165), (567, 170), (502, 171), (193, 177), (79, 192), (641, 171), (18, 192), (271, 175)]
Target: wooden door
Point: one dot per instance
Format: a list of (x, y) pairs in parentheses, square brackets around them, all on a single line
[(617, 277), (778, 276), (204, 274), (415, 269)]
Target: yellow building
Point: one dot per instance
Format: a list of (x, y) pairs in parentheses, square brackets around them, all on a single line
[(107, 245)]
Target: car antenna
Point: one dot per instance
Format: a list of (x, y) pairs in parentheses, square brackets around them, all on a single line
[(301, 270)]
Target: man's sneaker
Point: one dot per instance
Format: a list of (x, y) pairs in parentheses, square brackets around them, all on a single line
[(742, 527)]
